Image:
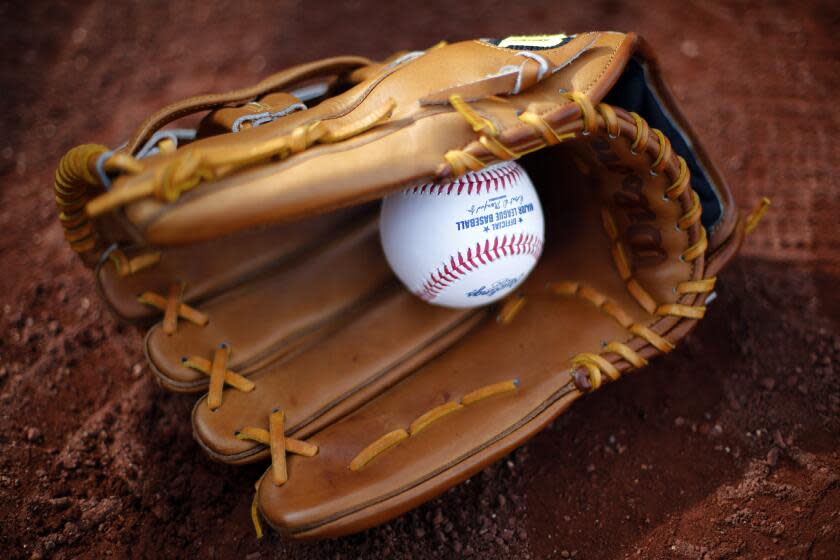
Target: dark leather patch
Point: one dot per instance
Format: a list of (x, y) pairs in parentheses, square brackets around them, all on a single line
[(642, 234)]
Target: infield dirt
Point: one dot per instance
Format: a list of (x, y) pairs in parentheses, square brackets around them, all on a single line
[(727, 448)]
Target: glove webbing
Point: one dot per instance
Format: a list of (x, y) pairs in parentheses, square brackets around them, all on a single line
[(590, 368)]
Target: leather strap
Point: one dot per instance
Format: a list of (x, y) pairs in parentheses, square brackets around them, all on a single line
[(329, 66), (519, 72)]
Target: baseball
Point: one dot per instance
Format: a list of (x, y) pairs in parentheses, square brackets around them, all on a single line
[(465, 242)]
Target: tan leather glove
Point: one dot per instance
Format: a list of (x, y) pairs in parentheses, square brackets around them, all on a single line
[(255, 238)]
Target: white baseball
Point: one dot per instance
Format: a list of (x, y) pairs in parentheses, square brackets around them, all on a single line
[(465, 242)]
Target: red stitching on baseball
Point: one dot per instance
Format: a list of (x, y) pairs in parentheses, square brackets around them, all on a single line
[(458, 266), (492, 180)]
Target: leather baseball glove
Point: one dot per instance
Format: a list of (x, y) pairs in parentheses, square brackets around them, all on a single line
[(249, 243)]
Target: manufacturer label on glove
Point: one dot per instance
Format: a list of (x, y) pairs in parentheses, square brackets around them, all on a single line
[(535, 42)]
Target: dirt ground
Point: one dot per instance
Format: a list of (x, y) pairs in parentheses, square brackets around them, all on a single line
[(727, 448)]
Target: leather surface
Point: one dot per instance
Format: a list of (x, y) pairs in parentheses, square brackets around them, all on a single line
[(288, 307), (388, 340), (283, 257), (206, 276), (361, 168)]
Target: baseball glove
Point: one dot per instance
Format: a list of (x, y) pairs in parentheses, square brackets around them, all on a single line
[(249, 243)]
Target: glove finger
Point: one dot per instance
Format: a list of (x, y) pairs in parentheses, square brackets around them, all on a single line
[(270, 317), (205, 277), (379, 346)]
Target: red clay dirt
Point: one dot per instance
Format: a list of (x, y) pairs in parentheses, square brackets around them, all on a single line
[(727, 448)]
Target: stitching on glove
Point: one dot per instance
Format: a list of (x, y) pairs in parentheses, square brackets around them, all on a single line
[(127, 266), (538, 123), (594, 364), (194, 167), (262, 436), (173, 308), (592, 367), (681, 183), (75, 185), (197, 166), (277, 436), (754, 217), (640, 141), (510, 308), (279, 444), (606, 66), (615, 311), (232, 378), (218, 369), (594, 297), (623, 266), (255, 511), (266, 116), (392, 438)]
